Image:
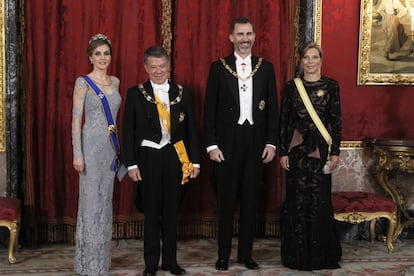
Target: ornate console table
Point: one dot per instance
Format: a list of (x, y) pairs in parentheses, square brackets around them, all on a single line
[(394, 155)]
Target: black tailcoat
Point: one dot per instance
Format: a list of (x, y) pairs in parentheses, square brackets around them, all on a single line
[(160, 188), (241, 173)]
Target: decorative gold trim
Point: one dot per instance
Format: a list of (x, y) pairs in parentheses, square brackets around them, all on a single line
[(349, 145), (236, 75), (365, 77), (13, 227), (293, 37), (358, 217), (317, 35), (394, 155), (317, 17), (2, 80), (166, 25), (152, 100)]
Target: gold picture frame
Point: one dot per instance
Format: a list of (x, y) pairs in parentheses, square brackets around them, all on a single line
[(379, 63), (2, 80)]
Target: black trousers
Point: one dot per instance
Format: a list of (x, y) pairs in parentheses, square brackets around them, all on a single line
[(161, 191), (239, 175)]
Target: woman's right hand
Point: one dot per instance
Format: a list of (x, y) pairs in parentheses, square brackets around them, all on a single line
[(79, 165), (284, 162)]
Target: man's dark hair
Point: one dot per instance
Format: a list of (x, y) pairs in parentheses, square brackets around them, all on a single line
[(239, 20), (155, 51)]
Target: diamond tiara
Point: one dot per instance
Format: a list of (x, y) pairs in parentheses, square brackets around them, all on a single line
[(100, 37)]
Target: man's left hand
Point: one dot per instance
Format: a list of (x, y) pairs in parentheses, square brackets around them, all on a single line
[(195, 173), (268, 154)]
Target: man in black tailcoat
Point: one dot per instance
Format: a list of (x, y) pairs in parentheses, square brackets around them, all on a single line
[(240, 128), (161, 149)]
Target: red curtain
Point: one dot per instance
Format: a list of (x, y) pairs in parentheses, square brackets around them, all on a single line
[(56, 37), (201, 35)]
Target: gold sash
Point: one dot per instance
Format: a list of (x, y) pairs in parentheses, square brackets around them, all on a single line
[(163, 113), (187, 167), (316, 120)]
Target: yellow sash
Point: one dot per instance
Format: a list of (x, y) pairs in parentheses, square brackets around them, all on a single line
[(316, 120), (163, 113), (187, 167)]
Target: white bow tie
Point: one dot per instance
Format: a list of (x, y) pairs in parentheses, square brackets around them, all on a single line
[(161, 87)]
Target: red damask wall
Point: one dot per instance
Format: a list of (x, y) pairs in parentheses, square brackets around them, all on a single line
[(367, 111)]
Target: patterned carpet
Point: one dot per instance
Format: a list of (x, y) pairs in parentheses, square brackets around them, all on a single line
[(197, 256)]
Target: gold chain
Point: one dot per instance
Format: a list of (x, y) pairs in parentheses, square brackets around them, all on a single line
[(236, 75), (152, 100)]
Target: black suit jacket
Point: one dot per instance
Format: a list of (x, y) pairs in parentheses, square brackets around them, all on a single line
[(141, 121), (222, 106)]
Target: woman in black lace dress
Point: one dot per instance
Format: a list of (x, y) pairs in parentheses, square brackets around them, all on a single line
[(309, 239)]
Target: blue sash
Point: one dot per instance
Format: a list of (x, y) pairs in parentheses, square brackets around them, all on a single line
[(111, 125)]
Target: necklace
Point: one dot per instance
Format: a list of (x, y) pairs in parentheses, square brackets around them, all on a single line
[(236, 75), (152, 100)]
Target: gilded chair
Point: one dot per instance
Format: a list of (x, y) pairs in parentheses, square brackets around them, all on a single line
[(356, 207), (10, 217)]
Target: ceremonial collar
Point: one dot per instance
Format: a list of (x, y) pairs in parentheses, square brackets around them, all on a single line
[(150, 99)]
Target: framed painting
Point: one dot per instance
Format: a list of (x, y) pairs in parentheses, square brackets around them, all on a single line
[(386, 42)]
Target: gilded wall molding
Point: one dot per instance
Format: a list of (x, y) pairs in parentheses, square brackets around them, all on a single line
[(349, 145), (307, 26), (166, 24), (2, 80), (369, 55), (317, 17)]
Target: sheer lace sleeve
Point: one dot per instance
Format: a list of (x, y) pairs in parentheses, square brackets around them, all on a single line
[(115, 82), (79, 94)]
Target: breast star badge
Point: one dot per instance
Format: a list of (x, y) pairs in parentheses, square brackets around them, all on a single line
[(262, 105), (181, 118), (320, 93)]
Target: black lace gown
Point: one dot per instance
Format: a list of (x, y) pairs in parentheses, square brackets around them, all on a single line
[(309, 238)]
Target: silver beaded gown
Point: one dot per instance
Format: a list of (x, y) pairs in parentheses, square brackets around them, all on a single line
[(93, 144)]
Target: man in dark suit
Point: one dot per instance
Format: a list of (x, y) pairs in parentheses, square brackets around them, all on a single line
[(240, 127), (161, 150)]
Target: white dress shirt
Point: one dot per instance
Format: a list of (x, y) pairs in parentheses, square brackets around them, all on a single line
[(244, 68), (161, 91)]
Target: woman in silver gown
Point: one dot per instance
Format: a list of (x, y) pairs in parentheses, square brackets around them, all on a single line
[(93, 155)]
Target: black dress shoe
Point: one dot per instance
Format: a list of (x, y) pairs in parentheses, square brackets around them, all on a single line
[(248, 263), (174, 269), (222, 264), (150, 271)]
